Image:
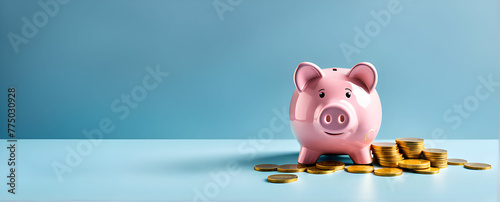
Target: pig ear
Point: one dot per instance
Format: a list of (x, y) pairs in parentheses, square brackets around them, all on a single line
[(304, 73), (366, 73)]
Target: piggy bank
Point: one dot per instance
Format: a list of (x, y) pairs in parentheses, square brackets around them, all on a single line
[(335, 111)]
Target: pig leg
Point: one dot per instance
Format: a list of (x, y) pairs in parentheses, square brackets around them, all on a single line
[(361, 156), (308, 156)]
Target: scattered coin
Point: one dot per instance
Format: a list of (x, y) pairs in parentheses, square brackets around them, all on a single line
[(330, 165), (414, 163), (456, 161), (282, 178), (360, 169), (477, 166), (266, 167), (388, 172), (430, 170), (291, 168), (407, 154), (314, 170)]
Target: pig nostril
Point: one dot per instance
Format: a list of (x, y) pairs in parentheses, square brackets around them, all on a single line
[(328, 118), (341, 118)]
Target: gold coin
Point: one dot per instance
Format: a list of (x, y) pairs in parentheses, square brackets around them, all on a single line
[(266, 167), (314, 170), (384, 145), (410, 140), (402, 143), (390, 165), (409, 143), (388, 172), (398, 159), (412, 150), (430, 170), (477, 166), (436, 164), (438, 161), (360, 169), (412, 157), (390, 150), (282, 178), (436, 158), (330, 165), (388, 162), (395, 146), (414, 163), (430, 157), (387, 154), (390, 158), (441, 166), (456, 161), (291, 168), (435, 151)]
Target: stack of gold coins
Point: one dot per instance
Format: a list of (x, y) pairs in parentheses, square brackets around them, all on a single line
[(437, 157), (410, 147), (386, 154)]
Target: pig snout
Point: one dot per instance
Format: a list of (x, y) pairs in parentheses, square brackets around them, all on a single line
[(335, 119)]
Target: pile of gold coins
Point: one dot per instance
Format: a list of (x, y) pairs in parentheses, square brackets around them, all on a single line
[(417, 158), (406, 154)]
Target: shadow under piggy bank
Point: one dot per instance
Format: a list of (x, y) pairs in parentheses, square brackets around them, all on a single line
[(291, 158), (197, 165)]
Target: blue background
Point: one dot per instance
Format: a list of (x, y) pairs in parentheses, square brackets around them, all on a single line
[(227, 75)]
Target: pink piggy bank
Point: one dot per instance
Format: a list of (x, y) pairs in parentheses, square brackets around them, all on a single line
[(335, 111)]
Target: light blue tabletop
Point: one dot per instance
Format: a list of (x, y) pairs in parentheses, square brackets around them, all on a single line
[(222, 170)]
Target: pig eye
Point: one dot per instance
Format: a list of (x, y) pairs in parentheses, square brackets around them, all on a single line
[(322, 95), (348, 94)]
